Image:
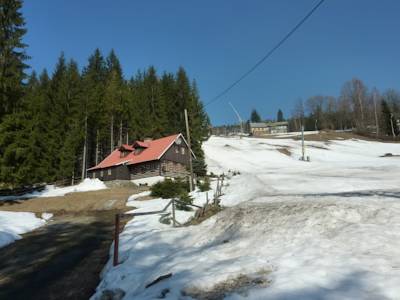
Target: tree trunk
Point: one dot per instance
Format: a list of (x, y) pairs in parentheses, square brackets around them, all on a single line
[(112, 134), (120, 133), (84, 152), (97, 147), (391, 124)]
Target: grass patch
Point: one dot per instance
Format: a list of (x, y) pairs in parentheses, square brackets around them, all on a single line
[(284, 151), (202, 215)]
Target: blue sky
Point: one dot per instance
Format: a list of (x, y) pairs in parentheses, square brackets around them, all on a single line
[(216, 41)]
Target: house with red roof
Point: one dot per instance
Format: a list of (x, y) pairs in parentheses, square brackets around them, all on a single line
[(167, 156)]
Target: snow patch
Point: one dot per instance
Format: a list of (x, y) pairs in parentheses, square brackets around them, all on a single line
[(46, 216), (329, 228), (13, 224), (52, 191)]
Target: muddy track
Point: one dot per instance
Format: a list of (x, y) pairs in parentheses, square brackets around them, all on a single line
[(61, 260)]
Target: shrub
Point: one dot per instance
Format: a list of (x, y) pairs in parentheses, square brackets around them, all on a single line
[(186, 199), (169, 188), (204, 185)]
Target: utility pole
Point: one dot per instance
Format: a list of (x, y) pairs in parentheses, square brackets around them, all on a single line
[(376, 114), (190, 151), (84, 152), (302, 143)]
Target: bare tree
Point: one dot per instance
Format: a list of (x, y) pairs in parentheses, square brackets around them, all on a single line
[(356, 92)]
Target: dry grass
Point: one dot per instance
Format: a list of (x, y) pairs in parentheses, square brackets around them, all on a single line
[(239, 284), (285, 151), (109, 199), (325, 136), (199, 217)]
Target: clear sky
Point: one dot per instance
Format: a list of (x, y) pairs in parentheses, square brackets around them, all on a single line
[(216, 41)]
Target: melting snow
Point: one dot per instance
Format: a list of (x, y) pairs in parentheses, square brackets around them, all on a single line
[(325, 229), (52, 191), (13, 224)]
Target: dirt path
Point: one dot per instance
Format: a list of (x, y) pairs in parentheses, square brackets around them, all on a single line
[(63, 259)]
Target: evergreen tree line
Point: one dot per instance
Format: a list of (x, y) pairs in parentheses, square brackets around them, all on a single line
[(53, 126), (357, 108), (256, 118)]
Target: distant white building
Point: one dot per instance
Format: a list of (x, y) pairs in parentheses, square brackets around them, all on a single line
[(263, 128)]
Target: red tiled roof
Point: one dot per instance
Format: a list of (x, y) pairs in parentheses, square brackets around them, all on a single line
[(153, 151)]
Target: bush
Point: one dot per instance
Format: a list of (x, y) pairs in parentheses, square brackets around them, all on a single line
[(186, 199), (204, 185), (169, 188)]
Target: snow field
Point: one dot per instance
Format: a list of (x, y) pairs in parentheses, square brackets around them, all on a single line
[(325, 229)]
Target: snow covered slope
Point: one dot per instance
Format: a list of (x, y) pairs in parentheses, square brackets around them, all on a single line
[(325, 229), (12, 224), (52, 191)]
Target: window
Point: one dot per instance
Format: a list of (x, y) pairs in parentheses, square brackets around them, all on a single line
[(123, 154), (94, 175), (101, 173), (176, 149), (183, 151), (109, 171)]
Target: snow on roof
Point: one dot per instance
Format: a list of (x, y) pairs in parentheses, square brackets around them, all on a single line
[(153, 150)]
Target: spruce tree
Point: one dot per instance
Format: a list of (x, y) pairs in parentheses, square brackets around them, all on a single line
[(255, 117), (12, 56), (279, 117)]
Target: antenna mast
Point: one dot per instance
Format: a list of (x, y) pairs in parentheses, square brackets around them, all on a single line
[(238, 116)]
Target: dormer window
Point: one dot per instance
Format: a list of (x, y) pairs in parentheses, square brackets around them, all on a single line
[(123, 154), (138, 151)]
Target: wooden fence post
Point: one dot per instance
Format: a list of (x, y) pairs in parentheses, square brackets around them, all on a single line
[(116, 239), (173, 213)]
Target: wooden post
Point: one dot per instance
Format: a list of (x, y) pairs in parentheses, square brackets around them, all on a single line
[(116, 240), (173, 213), (216, 189), (190, 151), (220, 186)]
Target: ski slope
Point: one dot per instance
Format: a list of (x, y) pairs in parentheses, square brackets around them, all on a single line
[(324, 229)]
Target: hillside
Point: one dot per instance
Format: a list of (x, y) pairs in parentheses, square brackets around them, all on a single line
[(328, 228)]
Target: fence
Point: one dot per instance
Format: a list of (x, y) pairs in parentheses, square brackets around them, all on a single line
[(175, 223)]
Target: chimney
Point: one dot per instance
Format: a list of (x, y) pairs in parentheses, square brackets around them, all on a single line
[(147, 139)]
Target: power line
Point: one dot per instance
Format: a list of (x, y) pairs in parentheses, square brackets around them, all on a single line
[(269, 53)]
